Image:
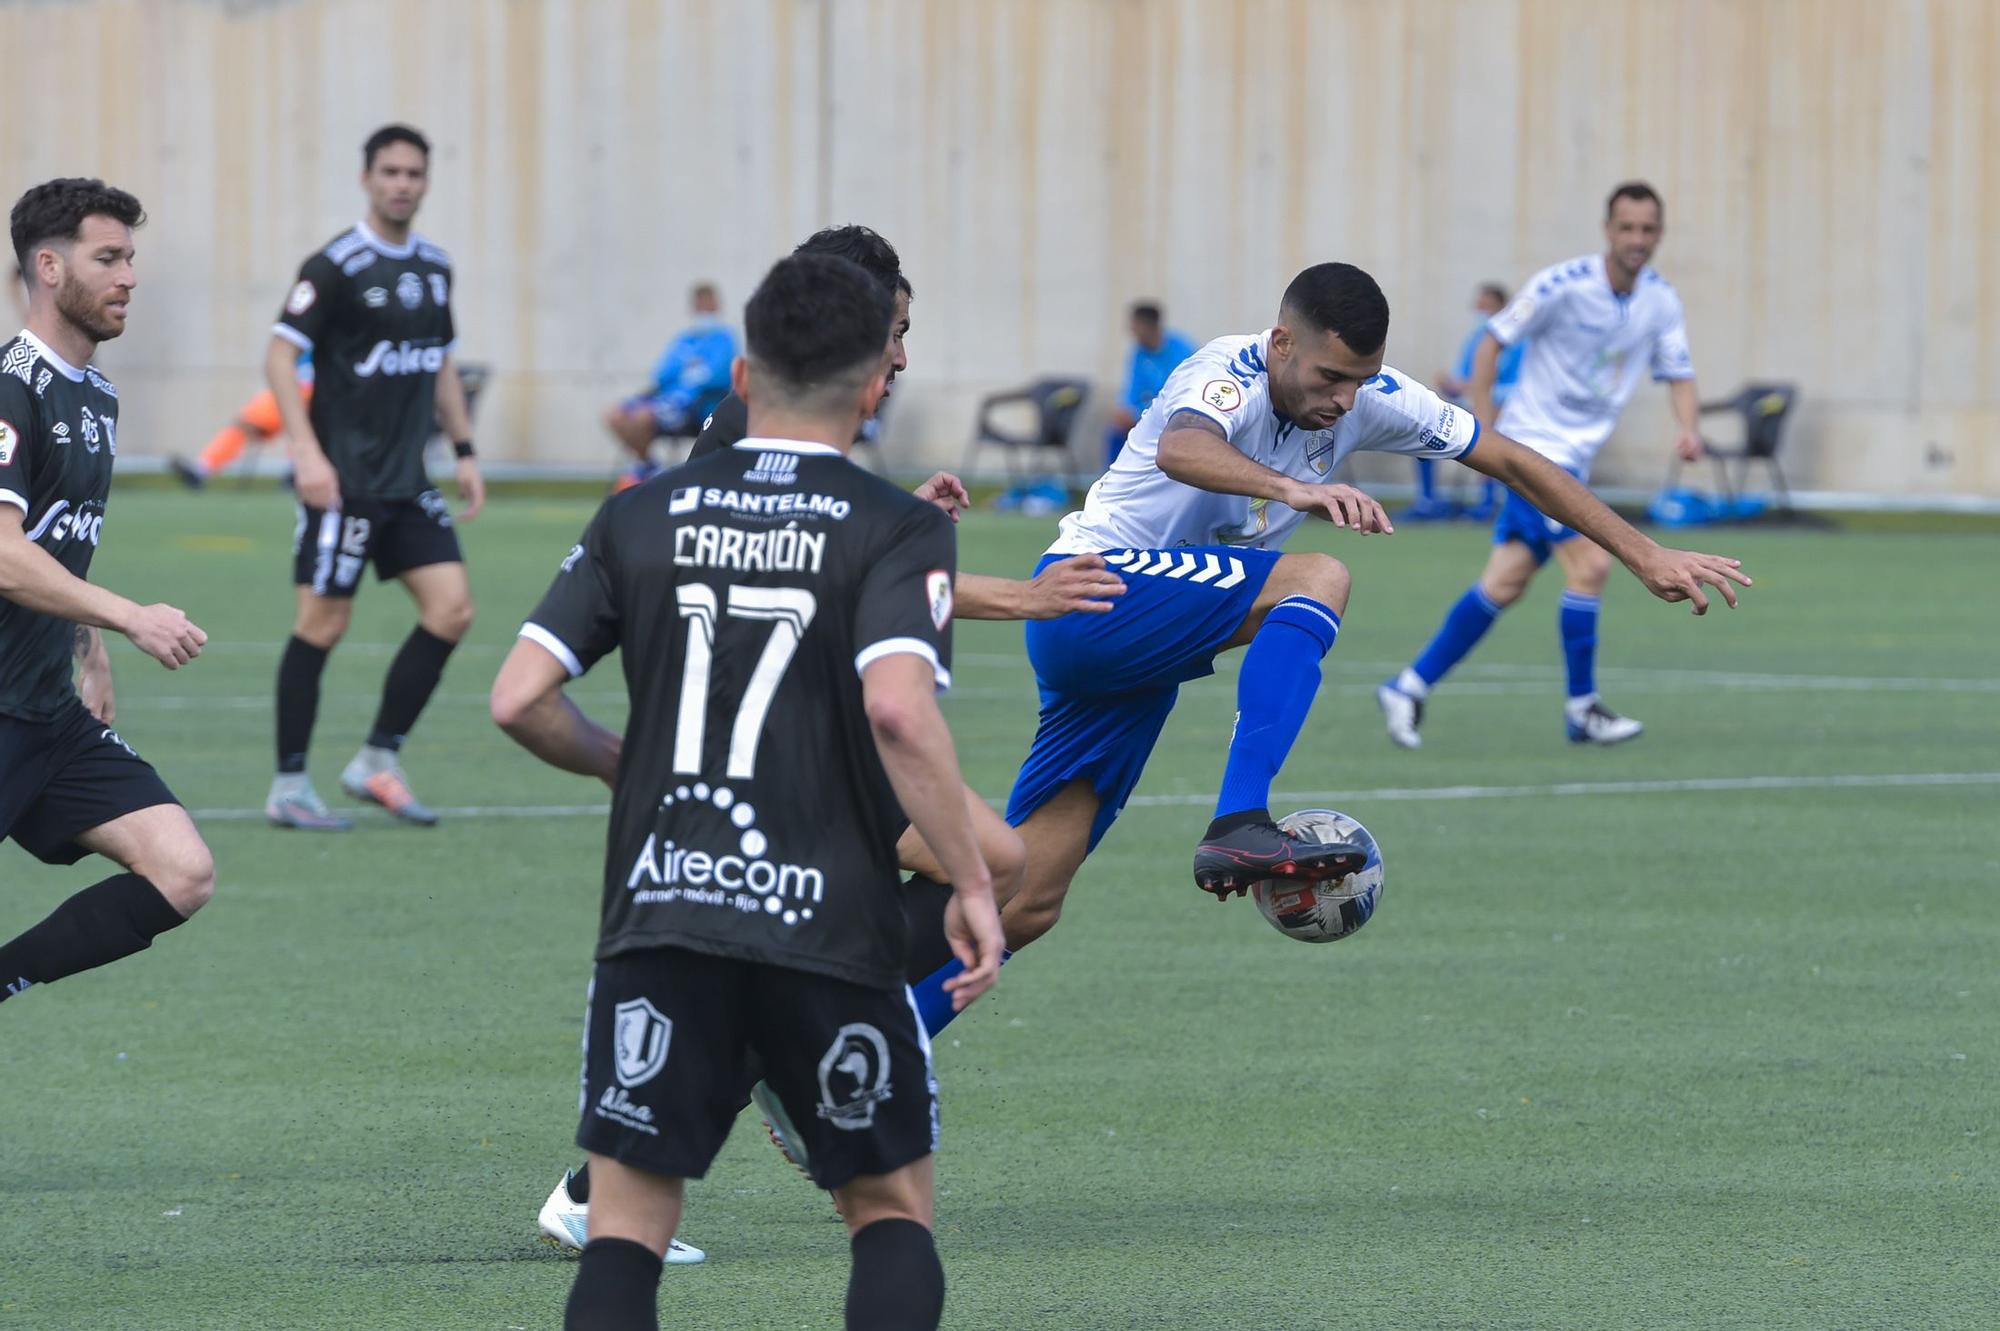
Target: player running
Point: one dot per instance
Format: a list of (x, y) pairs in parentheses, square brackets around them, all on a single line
[(69, 786), (1596, 325), (1082, 584), (1229, 459), (784, 619), (374, 307)]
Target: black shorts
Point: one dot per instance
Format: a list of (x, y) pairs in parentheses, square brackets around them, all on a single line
[(331, 547), (664, 1077), (60, 778)]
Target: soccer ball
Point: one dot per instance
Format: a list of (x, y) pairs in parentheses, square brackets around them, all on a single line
[(1327, 911)]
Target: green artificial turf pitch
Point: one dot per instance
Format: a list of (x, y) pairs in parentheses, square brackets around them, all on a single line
[(1711, 1048)]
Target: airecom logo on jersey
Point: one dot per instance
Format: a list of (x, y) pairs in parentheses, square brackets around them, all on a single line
[(400, 358), (743, 878)]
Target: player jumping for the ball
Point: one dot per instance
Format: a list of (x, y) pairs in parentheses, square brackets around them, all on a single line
[(1229, 458)]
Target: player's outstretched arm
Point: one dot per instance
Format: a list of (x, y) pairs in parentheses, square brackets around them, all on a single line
[(1195, 451), (1083, 583), (528, 703), (899, 692), (1671, 575), (31, 577)]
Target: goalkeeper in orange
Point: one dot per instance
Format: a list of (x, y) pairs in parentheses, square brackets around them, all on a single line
[(256, 423)]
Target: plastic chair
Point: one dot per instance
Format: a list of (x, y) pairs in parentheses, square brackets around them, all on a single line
[(1055, 405), (1763, 408)]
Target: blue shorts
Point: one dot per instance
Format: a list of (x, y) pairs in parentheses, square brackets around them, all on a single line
[(1108, 680), (672, 415), (1521, 521)]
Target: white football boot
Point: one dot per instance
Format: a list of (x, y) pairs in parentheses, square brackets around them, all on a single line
[(1589, 721), (565, 1224), (1403, 713)]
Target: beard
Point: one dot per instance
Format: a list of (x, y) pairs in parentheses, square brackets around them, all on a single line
[(75, 303)]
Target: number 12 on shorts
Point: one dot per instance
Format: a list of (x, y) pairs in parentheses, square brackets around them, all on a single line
[(788, 610)]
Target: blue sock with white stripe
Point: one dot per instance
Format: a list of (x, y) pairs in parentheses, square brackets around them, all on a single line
[(1273, 693), (1464, 625), (1578, 618), (933, 1003)]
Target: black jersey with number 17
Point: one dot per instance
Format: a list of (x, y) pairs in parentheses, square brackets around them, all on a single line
[(748, 591)]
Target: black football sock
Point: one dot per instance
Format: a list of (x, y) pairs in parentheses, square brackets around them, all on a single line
[(413, 677), (579, 1185), (896, 1282), (924, 900), (617, 1288), (298, 701), (1229, 822), (106, 921)]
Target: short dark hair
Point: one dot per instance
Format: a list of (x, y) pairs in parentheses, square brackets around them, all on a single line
[(1639, 191), (1339, 298), (816, 322), (389, 134), (1146, 311), (1495, 290), (56, 209), (864, 246)]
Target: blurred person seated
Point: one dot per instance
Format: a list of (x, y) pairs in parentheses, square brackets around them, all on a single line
[(1455, 384), (690, 380), (1157, 351)]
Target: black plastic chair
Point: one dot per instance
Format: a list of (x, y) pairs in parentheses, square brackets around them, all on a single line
[(1055, 405), (1763, 409)]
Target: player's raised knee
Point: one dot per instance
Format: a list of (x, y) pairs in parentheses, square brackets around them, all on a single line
[(1323, 578), (183, 870), (451, 622)]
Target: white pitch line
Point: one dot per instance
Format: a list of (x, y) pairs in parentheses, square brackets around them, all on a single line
[(1379, 795), (1669, 785)]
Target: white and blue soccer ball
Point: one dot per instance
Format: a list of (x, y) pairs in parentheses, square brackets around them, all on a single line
[(1327, 911)]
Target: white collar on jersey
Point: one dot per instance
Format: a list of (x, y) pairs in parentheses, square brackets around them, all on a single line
[(383, 247), (805, 447), (48, 353)]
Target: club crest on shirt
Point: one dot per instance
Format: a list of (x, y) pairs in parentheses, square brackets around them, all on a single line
[(303, 296), (1222, 394), (410, 290), (937, 591), (10, 439)]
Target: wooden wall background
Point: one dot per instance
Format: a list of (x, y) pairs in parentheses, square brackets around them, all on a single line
[(1831, 169)]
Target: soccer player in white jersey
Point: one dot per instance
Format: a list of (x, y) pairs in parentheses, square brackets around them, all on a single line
[(1597, 325), (1231, 456)]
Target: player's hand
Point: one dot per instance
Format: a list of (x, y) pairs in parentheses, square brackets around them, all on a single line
[(166, 635), (1080, 583), (1344, 506), (1688, 446), (1678, 575), (972, 927), (93, 685), (947, 492), (471, 489), (315, 481)]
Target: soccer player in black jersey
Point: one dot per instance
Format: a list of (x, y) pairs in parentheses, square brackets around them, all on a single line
[(784, 619), (1083, 583), (69, 786), (374, 308)]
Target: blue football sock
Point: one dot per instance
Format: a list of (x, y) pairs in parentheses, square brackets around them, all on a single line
[(1273, 693), (1427, 485), (933, 1003), (1578, 618), (1464, 625)]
